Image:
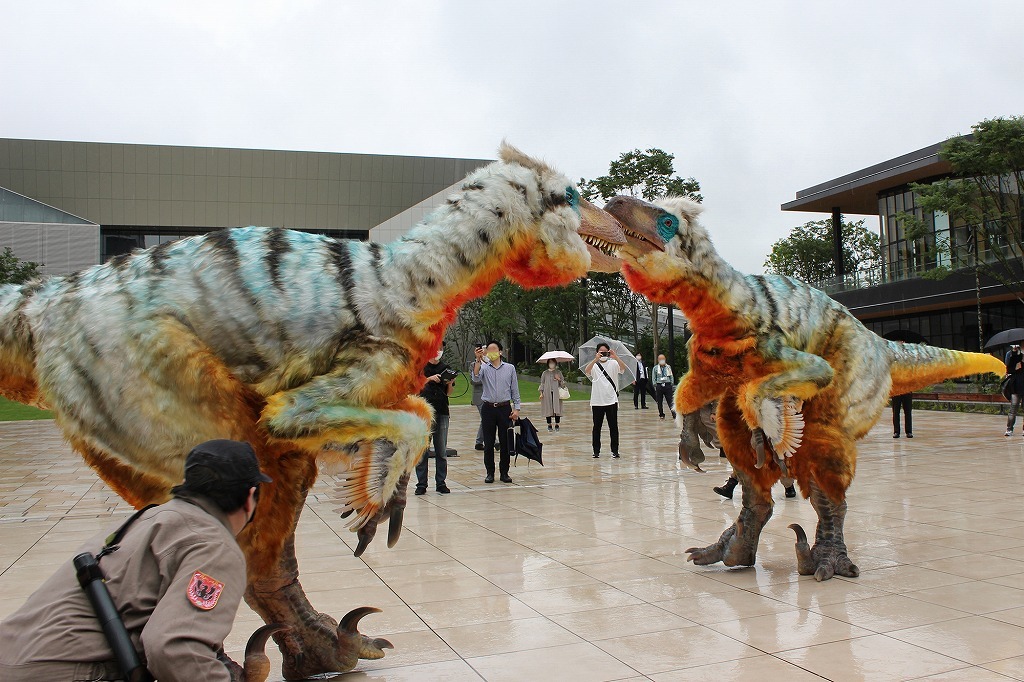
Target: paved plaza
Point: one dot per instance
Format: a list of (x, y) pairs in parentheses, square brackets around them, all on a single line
[(577, 571)]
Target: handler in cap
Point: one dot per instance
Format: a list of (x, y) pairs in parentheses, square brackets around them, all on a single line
[(176, 578)]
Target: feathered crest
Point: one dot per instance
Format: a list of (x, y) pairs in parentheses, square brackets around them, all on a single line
[(510, 154)]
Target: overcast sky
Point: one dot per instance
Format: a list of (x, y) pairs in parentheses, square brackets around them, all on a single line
[(755, 99)]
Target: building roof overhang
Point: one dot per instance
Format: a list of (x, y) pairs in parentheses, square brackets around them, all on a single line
[(857, 193)]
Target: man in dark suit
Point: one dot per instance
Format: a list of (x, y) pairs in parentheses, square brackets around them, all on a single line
[(640, 385)]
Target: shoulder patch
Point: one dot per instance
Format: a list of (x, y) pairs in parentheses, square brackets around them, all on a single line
[(204, 591)]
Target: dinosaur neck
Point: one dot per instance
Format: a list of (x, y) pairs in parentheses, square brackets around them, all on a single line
[(439, 266), (709, 291)]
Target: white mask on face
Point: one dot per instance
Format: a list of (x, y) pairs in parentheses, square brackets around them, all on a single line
[(552, 364), (437, 358), (661, 362)]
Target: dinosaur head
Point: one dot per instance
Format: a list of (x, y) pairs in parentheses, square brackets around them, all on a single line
[(664, 243), (551, 235)]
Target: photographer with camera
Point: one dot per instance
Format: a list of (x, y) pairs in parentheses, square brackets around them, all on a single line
[(440, 381), (604, 395)]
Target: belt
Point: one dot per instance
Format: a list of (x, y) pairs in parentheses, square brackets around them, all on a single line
[(501, 404)]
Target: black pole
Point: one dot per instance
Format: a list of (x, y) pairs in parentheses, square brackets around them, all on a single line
[(837, 242), (583, 312), (671, 335)]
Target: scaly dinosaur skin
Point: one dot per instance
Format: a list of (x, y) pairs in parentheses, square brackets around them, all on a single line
[(307, 347), (765, 346)]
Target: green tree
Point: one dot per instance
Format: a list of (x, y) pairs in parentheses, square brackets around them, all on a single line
[(13, 270), (647, 174), (808, 252), (982, 199)]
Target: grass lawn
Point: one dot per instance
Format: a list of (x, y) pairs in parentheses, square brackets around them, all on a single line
[(11, 411), (528, 391)]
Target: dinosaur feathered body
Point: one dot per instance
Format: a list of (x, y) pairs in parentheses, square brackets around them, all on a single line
[(308, 347), (782, 357)]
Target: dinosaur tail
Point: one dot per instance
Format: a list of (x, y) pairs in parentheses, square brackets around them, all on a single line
[(17, 357), (916, 365)]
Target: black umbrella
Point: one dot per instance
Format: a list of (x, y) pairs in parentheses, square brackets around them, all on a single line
[(1015, 335), (526, 442), (904, 335)]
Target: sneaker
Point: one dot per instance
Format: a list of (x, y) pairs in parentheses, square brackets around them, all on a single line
[(895, 435), (556, 427), (596, 455), (550, 428), (479, 446), (790, 491), (420, 491), (505, 478), (615, 455), (489, 478), (443, 489), (1009, 432), (662, 417), (910, 435)]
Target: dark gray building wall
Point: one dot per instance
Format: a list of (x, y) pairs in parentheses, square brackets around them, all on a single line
[(201, 187)]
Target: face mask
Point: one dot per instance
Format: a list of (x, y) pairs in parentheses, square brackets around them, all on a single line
[(638, 358), (661, 362), (493, 356), (437, 358), (551, 365)]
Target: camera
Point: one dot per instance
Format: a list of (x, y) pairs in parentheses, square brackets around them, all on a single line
[(449, 375)]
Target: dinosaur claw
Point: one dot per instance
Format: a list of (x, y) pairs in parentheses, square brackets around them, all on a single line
[(395, 525), (382, 643), (350, 622)]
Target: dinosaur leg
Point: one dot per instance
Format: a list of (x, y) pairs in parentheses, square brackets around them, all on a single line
[(738, 544), (828, 556), (315, 642), (378, 449)]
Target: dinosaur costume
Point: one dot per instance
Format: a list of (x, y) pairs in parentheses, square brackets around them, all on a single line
[(309, 348), (767, 347)]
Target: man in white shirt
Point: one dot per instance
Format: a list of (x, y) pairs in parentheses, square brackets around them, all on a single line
[(640, 385), (604, 395)]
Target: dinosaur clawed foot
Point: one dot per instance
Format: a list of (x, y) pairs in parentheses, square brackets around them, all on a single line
[(732, 549), (824, 560), (322, 647), (394, 511)]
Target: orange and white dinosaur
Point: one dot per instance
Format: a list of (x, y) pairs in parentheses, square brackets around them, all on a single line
[(309, 348), (796, 374)]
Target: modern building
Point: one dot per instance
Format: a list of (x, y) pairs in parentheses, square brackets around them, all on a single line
[(898, 294), (97, 200)]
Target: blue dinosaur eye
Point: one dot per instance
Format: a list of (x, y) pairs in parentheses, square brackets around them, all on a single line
[(667, 226), (572, 196)]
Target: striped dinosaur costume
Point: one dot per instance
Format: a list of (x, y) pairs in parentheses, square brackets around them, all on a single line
[(310, 348), (797, 375)]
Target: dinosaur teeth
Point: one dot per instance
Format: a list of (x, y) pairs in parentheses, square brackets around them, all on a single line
[(601, 245)]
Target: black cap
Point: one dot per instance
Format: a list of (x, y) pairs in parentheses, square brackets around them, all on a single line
[(220, 464)]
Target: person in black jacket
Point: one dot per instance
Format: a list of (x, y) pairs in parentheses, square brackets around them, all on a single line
[(436, 392), (1014, 361)]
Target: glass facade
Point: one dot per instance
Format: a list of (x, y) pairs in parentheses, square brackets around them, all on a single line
[(955, 328), (120, 239), (943, 243)]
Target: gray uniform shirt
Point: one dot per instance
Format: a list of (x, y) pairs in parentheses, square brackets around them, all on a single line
[(150, 578)]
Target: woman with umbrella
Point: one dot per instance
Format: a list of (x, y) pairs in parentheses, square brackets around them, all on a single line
[(551, 382)]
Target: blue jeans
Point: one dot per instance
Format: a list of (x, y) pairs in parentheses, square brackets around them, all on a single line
[(439, 435)]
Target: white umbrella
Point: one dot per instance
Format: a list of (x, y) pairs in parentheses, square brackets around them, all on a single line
[(588, 350), (557, 355)]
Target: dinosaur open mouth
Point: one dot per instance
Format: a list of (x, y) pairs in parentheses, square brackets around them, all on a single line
[(601, 245)]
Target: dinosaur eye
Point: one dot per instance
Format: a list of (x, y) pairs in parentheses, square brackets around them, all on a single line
[(667, 226), (572, 196)]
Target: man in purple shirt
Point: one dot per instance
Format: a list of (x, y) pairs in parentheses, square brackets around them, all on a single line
[(500, 406)]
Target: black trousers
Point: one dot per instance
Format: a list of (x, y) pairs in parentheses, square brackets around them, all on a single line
[(612, 413), (640, 393), (495, 418), (665, 391), (902, 402)]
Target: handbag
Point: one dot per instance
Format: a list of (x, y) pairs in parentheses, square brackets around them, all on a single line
[(563, 393), (1005, 387)]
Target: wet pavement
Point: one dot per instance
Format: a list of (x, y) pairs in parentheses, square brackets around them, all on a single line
[(577, 570)]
